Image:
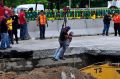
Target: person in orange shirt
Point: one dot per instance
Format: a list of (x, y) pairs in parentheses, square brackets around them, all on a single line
[(41, 22), (116, 19), (119, 24), (116, 23)]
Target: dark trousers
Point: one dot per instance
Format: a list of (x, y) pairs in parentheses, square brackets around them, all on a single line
[(24, 35), (42, 31), (15, 33), (10, 36), (63, 45), (117, 29), (106, 29)]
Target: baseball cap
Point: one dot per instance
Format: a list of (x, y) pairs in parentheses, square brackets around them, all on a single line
[(68, 27)]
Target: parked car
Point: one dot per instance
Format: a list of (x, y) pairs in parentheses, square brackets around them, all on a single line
[(27, 7)]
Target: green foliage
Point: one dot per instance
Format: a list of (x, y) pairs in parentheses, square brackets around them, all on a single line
[(94, 3)]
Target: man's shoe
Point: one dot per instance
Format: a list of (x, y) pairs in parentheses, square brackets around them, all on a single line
[(9, 47), (103, 34), (22, 39), (62, 58), (12, 42), (2, 48), (54, 59), (17, 42), (43, 37)]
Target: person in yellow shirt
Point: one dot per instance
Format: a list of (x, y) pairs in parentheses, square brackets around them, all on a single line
[(9, 24), (93, 16)]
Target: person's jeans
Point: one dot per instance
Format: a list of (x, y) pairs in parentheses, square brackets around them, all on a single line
[(5, 43), (42, 31), (63, 44), (24, 31), (106, 29), (59, 53)]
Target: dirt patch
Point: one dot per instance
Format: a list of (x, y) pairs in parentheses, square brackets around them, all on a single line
[(46, 73)]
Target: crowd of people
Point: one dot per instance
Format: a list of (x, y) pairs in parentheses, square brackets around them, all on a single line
[(106, 20), (10, 23)]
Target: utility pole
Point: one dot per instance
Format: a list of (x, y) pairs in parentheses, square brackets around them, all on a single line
[(2, 2), (89, 3), (70, 1)]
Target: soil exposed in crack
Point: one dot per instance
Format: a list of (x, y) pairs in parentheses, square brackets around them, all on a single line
[(46, 73)]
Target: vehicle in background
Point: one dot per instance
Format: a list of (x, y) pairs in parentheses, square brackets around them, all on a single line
[(114, 4), (29, 7)]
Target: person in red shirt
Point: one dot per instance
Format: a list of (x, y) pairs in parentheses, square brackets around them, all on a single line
[(2, 11), (22, 18), (65, 10), (23, 26), (116, 24), (119, 24)]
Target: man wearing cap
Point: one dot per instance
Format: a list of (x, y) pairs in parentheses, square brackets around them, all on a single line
[(63, 43)]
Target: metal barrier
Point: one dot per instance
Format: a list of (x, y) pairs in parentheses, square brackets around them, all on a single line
[(72, 14)]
